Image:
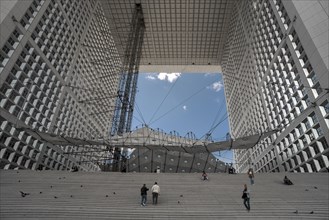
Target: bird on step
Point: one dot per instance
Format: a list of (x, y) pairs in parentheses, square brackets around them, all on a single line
[(23, 194)]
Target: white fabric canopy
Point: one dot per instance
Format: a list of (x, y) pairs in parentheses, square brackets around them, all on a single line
[(153, 139)]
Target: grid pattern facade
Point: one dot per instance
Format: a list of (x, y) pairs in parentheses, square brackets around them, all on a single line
[(177, 32), (59, 68), (271, 83)]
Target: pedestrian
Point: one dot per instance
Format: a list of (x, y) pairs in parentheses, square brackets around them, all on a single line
[(155, 193), (204, 176), (251, 176), (246, 197), (74, 169), (144, 190), (231, 170)]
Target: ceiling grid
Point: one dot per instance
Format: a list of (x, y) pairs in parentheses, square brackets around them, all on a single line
[(178, 32)]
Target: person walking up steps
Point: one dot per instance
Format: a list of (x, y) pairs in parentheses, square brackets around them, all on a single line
[(155, 193), (246, 197), (144, 190), (251, 176)]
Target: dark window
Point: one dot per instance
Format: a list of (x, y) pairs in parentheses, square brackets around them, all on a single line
[(6, 49)]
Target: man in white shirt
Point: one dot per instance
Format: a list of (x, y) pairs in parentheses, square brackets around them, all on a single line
[(155, 193)]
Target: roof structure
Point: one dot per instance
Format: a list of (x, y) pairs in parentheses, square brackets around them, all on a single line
[(151, 139), (184, 35)]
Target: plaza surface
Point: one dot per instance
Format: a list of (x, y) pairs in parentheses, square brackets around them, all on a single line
[(109, 195)]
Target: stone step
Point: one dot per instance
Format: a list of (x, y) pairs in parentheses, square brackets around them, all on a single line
[(83, 195)]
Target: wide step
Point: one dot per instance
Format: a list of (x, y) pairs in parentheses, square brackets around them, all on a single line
[(82, 195)]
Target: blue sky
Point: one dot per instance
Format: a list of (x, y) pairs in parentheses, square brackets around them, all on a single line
[(183, 103)]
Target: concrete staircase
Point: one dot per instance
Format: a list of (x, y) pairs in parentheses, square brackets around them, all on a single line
[(82, 195)]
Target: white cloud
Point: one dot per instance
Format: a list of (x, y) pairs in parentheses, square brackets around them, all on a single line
[(171, 77), (184, 107), (216, 86), (210, 74), (162, 76), (150, 77)]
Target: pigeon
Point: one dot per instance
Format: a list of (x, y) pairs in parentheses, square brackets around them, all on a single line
[(107, 195), (71, 196), (51, 186), (23, 194), (315, 187), (296, 212), (81, 186), (312, 212), (181, 195), (178, 202), (113, 192), (40, 192), (55, 197), (14, 19)]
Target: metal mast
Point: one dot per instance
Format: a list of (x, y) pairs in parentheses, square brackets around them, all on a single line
[(123, 114), (124, 107)]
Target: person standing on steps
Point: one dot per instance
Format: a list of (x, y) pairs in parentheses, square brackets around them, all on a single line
[(204, 176), (155, 193), (251, 176), (144, 190), (246, 197)]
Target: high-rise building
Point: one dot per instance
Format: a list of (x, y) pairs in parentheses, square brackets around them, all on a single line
[(59, 74), (61, 63), (275, 68)]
